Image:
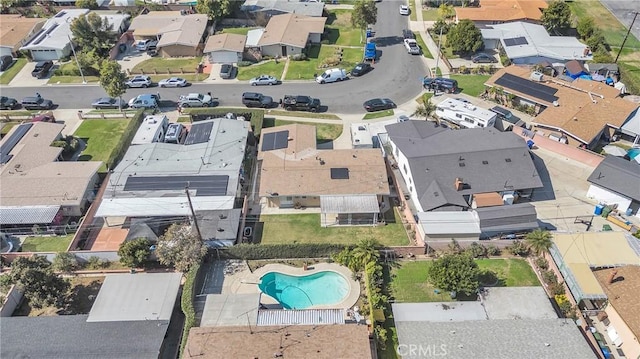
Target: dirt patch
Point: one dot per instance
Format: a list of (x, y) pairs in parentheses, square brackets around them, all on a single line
[(79, 300), (343, 19)]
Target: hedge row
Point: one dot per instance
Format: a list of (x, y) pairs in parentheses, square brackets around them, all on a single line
[(280, 251), (255, 116), (125, 140), (186, 303)]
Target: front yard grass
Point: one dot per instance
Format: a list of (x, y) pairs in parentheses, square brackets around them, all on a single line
[(101, 137), (430, 14), (340, 31), (378, 114), (305, 228), (263, 68), (325, 132), (46, 243), (72, 79), (611, 28), (472, 85), (412, 11), (11, 72), (162, 64), (425, 50), (316, 56), (324, 116)]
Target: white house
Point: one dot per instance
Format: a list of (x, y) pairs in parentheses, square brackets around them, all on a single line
[(616, 181), (465, 114), (152, 129)]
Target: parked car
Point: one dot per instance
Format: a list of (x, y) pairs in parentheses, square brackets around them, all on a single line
[(361, 69), (300, 103), (195, 100), (255, 99), (152, 53), (403, 118), (332, 75), (370, 51), (5, 62), (139, 81), (108, 102), (264, 80), (42, 69), (227, 71), (440, 84), (408, 34), (404, 10), (144, 45), (8, 103), (483, 58), (173, 82), (144, 101), (36, 103), (47, 117), (412, 46), (378, 104)]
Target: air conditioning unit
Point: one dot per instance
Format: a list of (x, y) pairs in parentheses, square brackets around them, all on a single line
[(536, 76)]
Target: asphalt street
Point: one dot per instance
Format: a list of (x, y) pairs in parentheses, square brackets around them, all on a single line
[(624, 11), (397, 75)]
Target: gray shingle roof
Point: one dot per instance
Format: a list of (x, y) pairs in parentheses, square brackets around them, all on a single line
[(505, 219), (618, 175), (71, 337), (436, 196)]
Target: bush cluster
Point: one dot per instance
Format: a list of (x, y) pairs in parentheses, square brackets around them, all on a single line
[(299, 57), (127, 136), (186, 303), (244, 63), (277, 251)]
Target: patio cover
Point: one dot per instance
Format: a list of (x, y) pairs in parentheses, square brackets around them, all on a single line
[(161, 206), (365, 203), (28, 214), (301, 317)]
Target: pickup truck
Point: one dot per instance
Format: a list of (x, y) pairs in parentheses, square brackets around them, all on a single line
[(300, 103), (41, 69), (195, 100), (412, 46)]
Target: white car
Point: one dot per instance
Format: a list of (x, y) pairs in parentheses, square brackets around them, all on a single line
[(144, 45), (173, 82), (412, 46), (404, 10), (264, 80), (139, 81)]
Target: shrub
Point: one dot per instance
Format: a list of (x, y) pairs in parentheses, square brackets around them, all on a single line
[(556, 289), (244, 63), (493, 250), (135, 252), (476, 250), (186, 303), (299, 57), (542, 263), (273, 251), (64, 262), (94, 263), (518, 248), (549, 277)]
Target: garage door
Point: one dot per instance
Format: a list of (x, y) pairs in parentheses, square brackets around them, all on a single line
[(223, 57), (41, 55)]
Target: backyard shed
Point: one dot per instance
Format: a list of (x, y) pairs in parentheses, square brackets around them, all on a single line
[(444, 226)]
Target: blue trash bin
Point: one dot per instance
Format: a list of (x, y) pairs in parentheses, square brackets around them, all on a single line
[(598, 210)]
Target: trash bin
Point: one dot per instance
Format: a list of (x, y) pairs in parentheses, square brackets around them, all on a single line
[(628, 212), (598, 210), (122, 48)]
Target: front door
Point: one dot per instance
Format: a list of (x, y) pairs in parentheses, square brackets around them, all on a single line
[(284, 51), (286, 202)]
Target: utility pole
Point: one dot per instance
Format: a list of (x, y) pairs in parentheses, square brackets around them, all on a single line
[(438, 54), (627, 35), (193, 213)]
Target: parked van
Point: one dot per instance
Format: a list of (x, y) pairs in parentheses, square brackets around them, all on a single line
[(254, 99), (144, 101), (332, 75), (440, 84)]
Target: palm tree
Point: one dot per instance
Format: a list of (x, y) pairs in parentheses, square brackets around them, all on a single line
[(425, 110), (365, 251), (539, 241)]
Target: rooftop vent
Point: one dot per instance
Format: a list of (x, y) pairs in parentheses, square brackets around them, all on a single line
[(507, 159), (485, 162)]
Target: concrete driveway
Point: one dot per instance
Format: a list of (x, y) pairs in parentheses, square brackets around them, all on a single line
[(24, 78), (623, 11)]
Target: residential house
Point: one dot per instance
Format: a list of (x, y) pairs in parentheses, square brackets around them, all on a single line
[(15, 31), (117, 19), (38, 187), (622, 285), (271, 8), (516, 322), (152, 179), (443, 168), (579, 113), (616, 182), (130, 319), (349, 186), (289, 34), (225, 48), (492, 12), (178, 34), (526, 43)]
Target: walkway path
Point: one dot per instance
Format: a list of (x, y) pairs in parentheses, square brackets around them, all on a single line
[(284, 71), (422, 26)]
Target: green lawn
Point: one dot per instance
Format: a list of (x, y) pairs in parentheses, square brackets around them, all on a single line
[(324, 116), (264, 68), (10, 73), (448, 52), (340, 30), (317, 55), (412, 11), (611, 28), (305, 228), (238, 30), (101, 137), (472, 85), (430, 15), (162, 64), (72, 79), (510, 272), (46, 244), (425, 50), (324, 131), (378, 114)]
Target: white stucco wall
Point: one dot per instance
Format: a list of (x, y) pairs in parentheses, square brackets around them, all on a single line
[(630, 345), (607, 197), (405, 170)]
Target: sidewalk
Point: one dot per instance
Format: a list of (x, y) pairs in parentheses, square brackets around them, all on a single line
[(421, 26)]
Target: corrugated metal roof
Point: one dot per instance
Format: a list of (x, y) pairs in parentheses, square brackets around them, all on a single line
[(366, 203), (301, 317), (449, 222), (28, 214)]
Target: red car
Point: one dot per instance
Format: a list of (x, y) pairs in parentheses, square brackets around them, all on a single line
[(47, 117)]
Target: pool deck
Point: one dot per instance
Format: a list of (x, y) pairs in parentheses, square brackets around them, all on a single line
[(249, 282)]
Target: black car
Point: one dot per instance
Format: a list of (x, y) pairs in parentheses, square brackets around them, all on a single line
[(36, 103), (361, 69), (5, 62), (254, 99), (378, 104), (483, 58), (408, 34), (42, 69), (8, 103)]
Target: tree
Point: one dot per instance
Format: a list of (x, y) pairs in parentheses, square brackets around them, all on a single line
[(585, 27), (517, 248), (112, 79), (92, 32), (601, 55), (455, 273), (556, 16), (87, 4), (64, 262), (364, 13), (425, 109), (135, 252), (35, 277), (446, 12), (539, 241), (365, 251), (180, 246), (465, 37), (217, 9), (440, 24)]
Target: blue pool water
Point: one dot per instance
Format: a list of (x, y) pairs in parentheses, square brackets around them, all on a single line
[(300, 292), (633, 153)]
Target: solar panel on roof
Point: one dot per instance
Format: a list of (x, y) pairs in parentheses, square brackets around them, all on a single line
[(515, 41), (533, 89), (339, 173), (204, 185), (275, 140), (12, 141), (200, 133)]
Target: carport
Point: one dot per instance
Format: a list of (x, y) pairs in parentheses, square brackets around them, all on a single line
[(355, 210)]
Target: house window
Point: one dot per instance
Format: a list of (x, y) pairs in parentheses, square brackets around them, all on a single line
[(410, 180), (458, 115), (410, 189), (404, 167)]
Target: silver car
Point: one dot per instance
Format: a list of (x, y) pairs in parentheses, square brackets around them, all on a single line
[(263, 80), (108, 102), (139, 81), (173, 82)]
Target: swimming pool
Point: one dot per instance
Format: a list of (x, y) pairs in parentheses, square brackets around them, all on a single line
[(633, 152), (301, 292)]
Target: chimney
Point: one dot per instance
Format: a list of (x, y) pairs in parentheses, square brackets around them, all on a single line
[(612, 276), (458, 184)]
